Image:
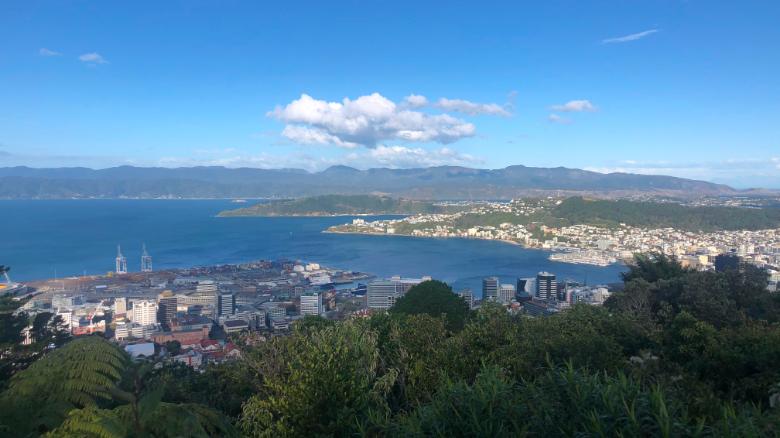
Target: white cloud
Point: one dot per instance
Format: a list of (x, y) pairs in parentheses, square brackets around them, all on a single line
[(305, 135), (471, 108), (415, 101), (575, 106), (46, 52), (555, 118), (367, 121), (92, 58), (630, 37)]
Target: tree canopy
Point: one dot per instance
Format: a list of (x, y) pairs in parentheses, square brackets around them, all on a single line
[(676, 353), (433, 298)]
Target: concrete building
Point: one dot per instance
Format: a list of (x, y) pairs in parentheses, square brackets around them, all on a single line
[(468, 297), (166, 304), (144, 312), (226, 304), (311, 303), (546, 286), (381, 294), (490, 287), (506, 293), (120, 306)]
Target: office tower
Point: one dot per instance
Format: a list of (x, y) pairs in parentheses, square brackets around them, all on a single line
[(311, 303), (506, 293), (226, 304), (546, 286), (490, 289), (146, 260), (381, 294), (166, 304), (521, 284), (121, 261), (144, 312)]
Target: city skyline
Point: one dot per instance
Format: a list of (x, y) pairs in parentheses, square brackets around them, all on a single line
[(675, 88)]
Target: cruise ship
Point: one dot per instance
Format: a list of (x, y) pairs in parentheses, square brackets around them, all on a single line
[(8, 287)]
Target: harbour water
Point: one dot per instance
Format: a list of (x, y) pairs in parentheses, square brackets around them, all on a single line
[(48, 238)]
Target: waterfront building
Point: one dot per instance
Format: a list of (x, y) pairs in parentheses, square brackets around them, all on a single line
[(120, 261), (506, 293), (146, 260), (546, 286), (66, 302), (144, 312), (311, 303), (490, 287), (382, 294), (522, 283)]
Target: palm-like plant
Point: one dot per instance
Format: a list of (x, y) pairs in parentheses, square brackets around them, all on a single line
[(80, 374), (143, 413)]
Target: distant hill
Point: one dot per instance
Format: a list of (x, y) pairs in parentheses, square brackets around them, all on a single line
[(445, 182), (609, 213), (328, 205)]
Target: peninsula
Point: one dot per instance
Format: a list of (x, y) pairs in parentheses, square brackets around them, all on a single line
[(341, 205)]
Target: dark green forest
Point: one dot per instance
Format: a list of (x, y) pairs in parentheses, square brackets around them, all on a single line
[(676, 353), (577, 210)]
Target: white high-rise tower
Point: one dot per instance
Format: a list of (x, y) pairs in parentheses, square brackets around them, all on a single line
[(121, 261), (146, 260)]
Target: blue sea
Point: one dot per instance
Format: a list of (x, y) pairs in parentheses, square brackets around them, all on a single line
[(48, 238)]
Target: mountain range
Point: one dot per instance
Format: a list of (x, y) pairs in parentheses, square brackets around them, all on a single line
[(444, 182)]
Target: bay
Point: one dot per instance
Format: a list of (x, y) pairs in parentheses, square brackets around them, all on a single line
[(48, 238)]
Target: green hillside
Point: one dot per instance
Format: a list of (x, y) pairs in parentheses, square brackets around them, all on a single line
[(661, 215), (328, 205)]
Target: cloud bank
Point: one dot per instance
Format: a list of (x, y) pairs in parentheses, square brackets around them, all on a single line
[(366, 121)]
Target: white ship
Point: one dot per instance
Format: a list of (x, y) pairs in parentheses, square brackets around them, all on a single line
[(596, 258)]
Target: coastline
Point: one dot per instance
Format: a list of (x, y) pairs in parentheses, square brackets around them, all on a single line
[(549, 252)]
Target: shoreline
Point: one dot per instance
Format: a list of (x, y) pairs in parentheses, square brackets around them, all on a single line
[(509, 242), (314, 215)]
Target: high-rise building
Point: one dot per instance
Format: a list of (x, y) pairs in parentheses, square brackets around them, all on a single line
[(120, 261), (146, 260), (521, 284), (144, 312), (490, 287), (546, 286), (506, 293), (226, 304), (166, 304), (311, 303), (381, 294)]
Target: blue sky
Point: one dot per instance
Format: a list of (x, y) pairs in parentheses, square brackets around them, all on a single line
[(688, 88)]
